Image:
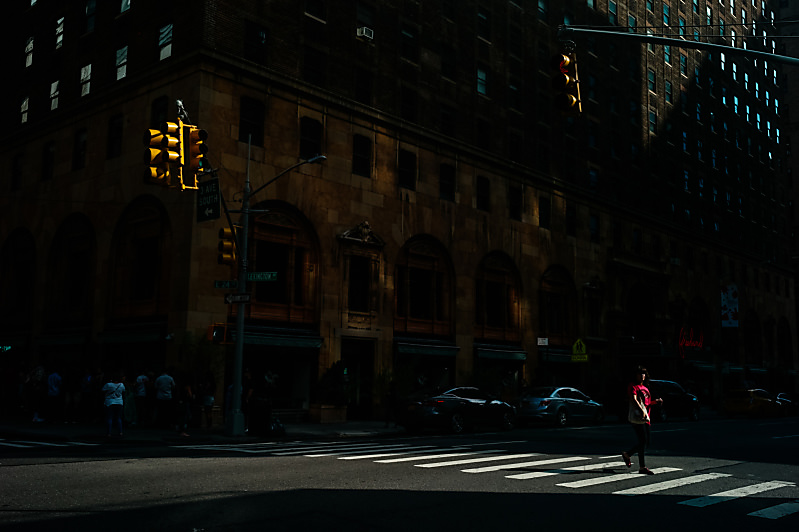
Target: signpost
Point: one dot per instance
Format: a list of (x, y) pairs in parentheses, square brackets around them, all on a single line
[(208, 200), (237, 298)]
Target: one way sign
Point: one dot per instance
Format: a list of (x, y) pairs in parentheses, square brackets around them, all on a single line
[(208, 200)]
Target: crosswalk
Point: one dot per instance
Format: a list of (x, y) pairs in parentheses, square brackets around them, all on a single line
[(577, 472), (27, 444)]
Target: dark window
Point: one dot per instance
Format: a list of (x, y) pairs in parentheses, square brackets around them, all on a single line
[(251, 121), (515, 202), (79, 150), (113, 146), (358, 285), (423, 291), (406, 170), (255, 42), (363, 85), (571, 220), (484, 23), (408, 105), (593, 228), (314, 67), (16, 171), (409, 44), (448, 62), (544, 212), (316, 8), (497, 301), (159, 112), (361, 155), (483, 202), (310, 138), (446, 182), (91, 10), (448, 120), (48, 160)]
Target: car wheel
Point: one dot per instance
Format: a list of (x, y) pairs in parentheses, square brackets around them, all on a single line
[(457, 423), (508, 421), (561, 418), (695, 414)]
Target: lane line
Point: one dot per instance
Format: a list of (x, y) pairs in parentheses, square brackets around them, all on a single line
[(660, 486), (477, 460), (775, 512), (524, 464), (588, 467), (615, 478), (737, 493)]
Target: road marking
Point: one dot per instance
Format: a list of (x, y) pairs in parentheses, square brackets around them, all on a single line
[(587, 467), (615, 478), (782, 437), (477, 460), (46, 444), (435, 456), (337, 452), (524, 464), (775, 512), (745, 491), (424, 449), (9, 444), (660, 486)]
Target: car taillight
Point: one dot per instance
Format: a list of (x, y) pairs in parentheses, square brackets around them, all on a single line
[(545, 402), (433, 402)]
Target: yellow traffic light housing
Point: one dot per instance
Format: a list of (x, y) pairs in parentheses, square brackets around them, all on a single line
[(566, 83), (227, 247), (194, 150), (162, 149)]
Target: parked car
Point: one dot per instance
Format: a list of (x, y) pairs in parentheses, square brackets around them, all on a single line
[(458, 409), (560, 405), (753, 402), (676, 401), (789, 406)]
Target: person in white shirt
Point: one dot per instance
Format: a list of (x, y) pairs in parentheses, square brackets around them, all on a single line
[(114, 393)]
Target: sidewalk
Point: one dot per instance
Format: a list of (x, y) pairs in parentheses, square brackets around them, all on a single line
[(95, 433)]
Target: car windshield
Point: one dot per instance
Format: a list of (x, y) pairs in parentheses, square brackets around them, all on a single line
[(540, 392)]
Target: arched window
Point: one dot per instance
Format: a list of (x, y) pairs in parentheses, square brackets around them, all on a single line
[(423, 289), (557, 306), (71, 273), (140, 265), (284, 244), (497, 299)]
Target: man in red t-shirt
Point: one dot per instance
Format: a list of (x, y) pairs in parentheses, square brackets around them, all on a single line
[(640, 402)]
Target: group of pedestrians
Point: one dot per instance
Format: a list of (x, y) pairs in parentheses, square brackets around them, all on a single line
[(56, 396)]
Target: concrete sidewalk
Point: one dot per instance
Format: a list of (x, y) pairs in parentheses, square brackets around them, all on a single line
[(95, 433)]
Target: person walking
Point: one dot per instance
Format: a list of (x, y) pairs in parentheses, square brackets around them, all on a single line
[(143, 415), (164, 388), (638, 414), (114, 393)]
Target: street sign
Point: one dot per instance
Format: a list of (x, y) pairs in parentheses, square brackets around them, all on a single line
[(237, 298), (229, 285), (543, 341), (208, 200), (261, 276)]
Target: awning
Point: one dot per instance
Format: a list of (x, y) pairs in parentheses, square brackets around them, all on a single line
[(67, 338), (280, 337), (426, 348), (500, 352), (552, 353)]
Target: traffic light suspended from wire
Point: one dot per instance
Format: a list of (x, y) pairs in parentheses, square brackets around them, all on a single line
[(566, 83)]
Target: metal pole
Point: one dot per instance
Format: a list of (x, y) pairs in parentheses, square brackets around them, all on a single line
[(235, 425)]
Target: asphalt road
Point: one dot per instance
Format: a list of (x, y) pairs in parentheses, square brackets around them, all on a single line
[(735, 474)]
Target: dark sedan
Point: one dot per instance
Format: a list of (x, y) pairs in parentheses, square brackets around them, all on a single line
[(458, 409), (559, 405)]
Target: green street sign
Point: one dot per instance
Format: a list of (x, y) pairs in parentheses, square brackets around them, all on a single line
[(228, 285), (261, 276)]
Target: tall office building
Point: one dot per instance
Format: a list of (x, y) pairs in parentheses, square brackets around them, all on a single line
[(463, 228)]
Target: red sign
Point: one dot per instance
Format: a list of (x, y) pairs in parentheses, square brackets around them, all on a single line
[(687, 340)]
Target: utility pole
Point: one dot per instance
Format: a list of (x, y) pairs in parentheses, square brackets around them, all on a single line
[(235, 423)]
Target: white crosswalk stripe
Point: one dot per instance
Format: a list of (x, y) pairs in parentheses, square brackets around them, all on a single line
[(478, 460), (586, 467), (26, 444), (744, 491), (615, 478), (660, 486), (518, 465), (436, 456), (778, 511)]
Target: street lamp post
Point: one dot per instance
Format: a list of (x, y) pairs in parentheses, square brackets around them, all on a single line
[(235, 422)]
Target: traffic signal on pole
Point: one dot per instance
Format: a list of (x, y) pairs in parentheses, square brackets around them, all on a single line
[(566, 83), (227, 247), (163, 154), (217, 333), (194, 150)]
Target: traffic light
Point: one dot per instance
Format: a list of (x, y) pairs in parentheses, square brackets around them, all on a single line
[(163, 148), (227, 247), (194, 150), (566, 83), (217, 333)]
